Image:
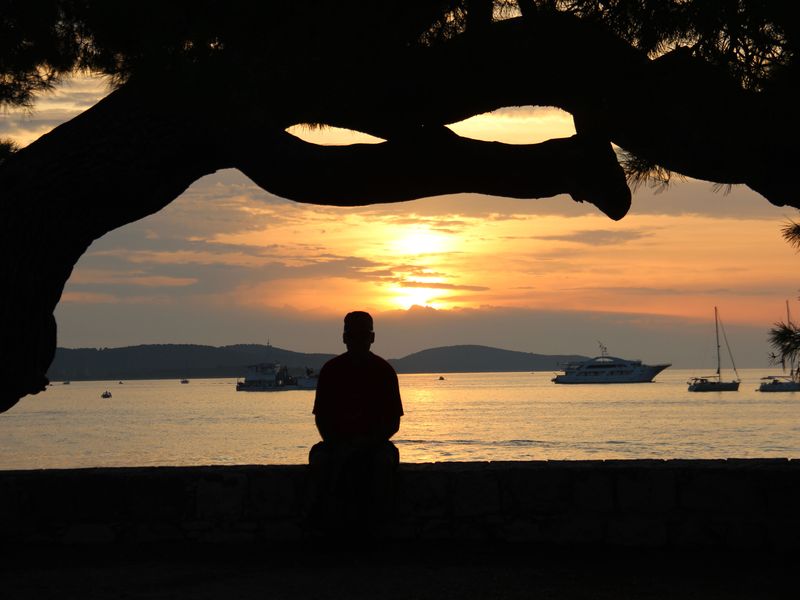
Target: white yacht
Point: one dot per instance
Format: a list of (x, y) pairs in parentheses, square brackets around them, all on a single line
[(608, 369)]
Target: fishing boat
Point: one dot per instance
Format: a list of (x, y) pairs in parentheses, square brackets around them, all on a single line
[(608, 369), (714, 383), (783, 383)]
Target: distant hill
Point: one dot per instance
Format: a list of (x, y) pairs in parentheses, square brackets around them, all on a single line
[(170, 361), (174, 361), (478, 359)]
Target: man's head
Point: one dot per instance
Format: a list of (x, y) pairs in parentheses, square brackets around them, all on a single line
[(358, 335)]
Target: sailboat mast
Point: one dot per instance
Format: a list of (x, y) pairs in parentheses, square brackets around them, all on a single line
[(794, 368), (716, 328)]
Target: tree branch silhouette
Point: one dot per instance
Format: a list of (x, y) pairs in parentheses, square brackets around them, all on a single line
[(681, 87)]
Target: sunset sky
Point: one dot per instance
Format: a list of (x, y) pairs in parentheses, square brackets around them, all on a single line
[(230, 263)]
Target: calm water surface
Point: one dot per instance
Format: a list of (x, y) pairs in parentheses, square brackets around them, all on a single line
[(466, 417)]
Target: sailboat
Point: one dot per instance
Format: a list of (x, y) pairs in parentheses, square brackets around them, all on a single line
[(714, 383), (783, 383)]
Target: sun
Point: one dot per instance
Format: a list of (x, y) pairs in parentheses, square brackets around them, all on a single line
[(405, 298), (420, 241)]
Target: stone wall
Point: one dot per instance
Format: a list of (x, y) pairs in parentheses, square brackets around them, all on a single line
[(662, 504)]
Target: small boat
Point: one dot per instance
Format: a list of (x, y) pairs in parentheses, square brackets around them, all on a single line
[(780, 383), (106, 394), (783, 383), (184, 381), (121, 382), (65, 382), (714, 383), (608, 369), (274, 377), (441, 378)]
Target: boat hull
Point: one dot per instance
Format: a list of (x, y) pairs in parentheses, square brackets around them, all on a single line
[(714, 386), (781, 386), (242, 387)]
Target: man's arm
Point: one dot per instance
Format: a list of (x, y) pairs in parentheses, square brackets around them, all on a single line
[(392, 427), (322, 406)]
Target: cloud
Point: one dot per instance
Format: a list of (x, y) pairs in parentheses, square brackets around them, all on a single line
[(442, 286), (135, 278), (597, 237)]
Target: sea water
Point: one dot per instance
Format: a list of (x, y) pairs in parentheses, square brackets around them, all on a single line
[(465, 417)]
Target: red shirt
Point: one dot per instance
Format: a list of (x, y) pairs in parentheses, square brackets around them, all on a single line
[(357, 397)]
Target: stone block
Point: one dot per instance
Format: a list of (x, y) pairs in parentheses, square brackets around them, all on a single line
[(476, 493), (436, 529), (159, 494), (783, 533), (221, 496), (645, 491), (423, 494), (195, 526), (89, 533), (637, 531), (782, 491), (472, 530), (246, 526), (283, 530), (155, 532), (696, 532), (575, 530), (593, 491), (722, 491), (521, 530), (224, 536), (275, 494), (398, 530), (746, 535), (536, 491)]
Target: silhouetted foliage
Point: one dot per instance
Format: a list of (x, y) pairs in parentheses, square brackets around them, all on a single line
[(791, 233), (7, 148), (640, 171), (785, 339), (41, 41)]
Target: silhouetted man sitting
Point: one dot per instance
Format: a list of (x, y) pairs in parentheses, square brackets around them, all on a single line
[(357, 409)]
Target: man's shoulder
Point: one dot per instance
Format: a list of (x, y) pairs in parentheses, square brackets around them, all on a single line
[(334, 362), (382, 363)]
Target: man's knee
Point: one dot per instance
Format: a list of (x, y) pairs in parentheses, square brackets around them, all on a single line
[(319, 455), (386, 455)]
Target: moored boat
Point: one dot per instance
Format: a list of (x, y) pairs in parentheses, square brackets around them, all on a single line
[(780, 383), (711, 384), (783, 383), (274, 377), (608, 369), (714, 383)]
